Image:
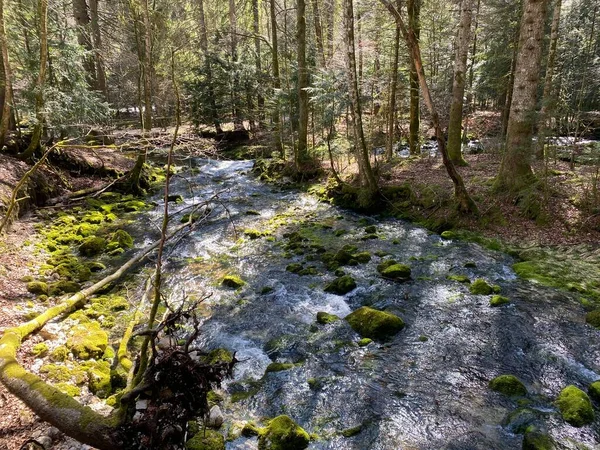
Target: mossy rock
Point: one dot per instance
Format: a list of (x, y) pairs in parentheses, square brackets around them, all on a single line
[(86, 229), (122, 239), (214, 398), (95, 218), (385, 264), (593, 318), (176, 198), (99, 376), (56, 373), (92, 246), (508, 385), (342, 257), (279, 367), (521, 420), (40, 350), (206, 440), (250, 429), (87, 340), (341, 285), (218, 355), (397, 272), (349, 432), (59, 354), (37, 287), (364, 342), (310, 270), (498, 300), (594, 391), (362, 257), (253, 234), (374, 324), (371, 229), (232, 281), (449, 235), (282, 433), (575, 406), (63, 287), (69, 389), (482, 287), (133, 206), (325, 318), (458, 278), (534, 440), (294, 267), (369, 237)]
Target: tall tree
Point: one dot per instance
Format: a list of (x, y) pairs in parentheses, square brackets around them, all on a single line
[(458, 87), (318, 33), (82, 19), (238, 122), (515, 171), (97, 44), (302, 151), (362, 154), (208, 67), (256, 28), (414, 11), (389, 144), (276, 78), (7, 80)]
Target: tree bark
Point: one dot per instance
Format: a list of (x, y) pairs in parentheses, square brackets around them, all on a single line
[(276, 79), (7, 79), (97, 44), (392, 101), (318, 33), (208, 67), (414, 11), (302, 151), (362, 154), (147, 67), (465, 202), (515, 171), (238, 122), (260, 101), (329, 19), (458, 87), (82, 19), (549, 99)]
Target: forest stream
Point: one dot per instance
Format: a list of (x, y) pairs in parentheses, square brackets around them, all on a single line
[(427, 386)]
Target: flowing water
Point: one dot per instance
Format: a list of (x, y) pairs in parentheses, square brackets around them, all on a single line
[(427, 388)]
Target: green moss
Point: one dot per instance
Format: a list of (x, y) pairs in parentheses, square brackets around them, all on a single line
[(294, 267), (362, 257), (398, 272), (594, 391), (232, 281), (310, 270), (282, 433), (86, 229), (374, 324), (56, 373), (364, 342), (349, 432), (575, 406), (449, 235), (37, 287), (498, 300), (40, 350), (250, 429), (341, 285), (508, 385), (206, 440), (218, 355), (59, 354), (325, 318), (92, 246), (214, 398), (254, 234), (69, 389), (96, 266), (369, 237), (535, 440), (481, 287), (459, 278), (62, 287), (278, 367), (94, 217), (593, 318), (122, 239), (371, 229), (99, 375), (134, 205), (423, 338), (87, 341)]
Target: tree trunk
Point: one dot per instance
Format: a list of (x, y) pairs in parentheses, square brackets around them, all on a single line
[(362, 154), (34, 145), (256, 28), (7, 80), (302, 152), (276, 79), (238, 122), (97, 44), (208, 68), (549, 99), (147, 67), (465, 203), (510, 88), (82, 20), (470, 96), (458, 87), (392, 101), (414, 10), (318, 33), (329, 19), (515, 172)]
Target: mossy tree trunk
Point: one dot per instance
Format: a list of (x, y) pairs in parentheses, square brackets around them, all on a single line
[(362, 153), (458, 87), (301, 155), (34, 145), (465, 202), (6, 79), (515, 171), (414, 11)]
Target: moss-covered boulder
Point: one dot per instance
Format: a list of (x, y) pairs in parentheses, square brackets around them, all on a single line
[(282, 433), (232, 281), (594, 391), (459, 278), (87, 340), (63, 287), (341, 285), (37, 287), (92, 246), (294, 267), (482, 287), (371, 229), (279, 367), (575, 406), (206, 440), (374, 324), (99, 377), (121, 239), (508, 385), (397, 272), (362, 257), (325, 318), (498, 300), (218, 355), (593, 318), (534, 440)]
